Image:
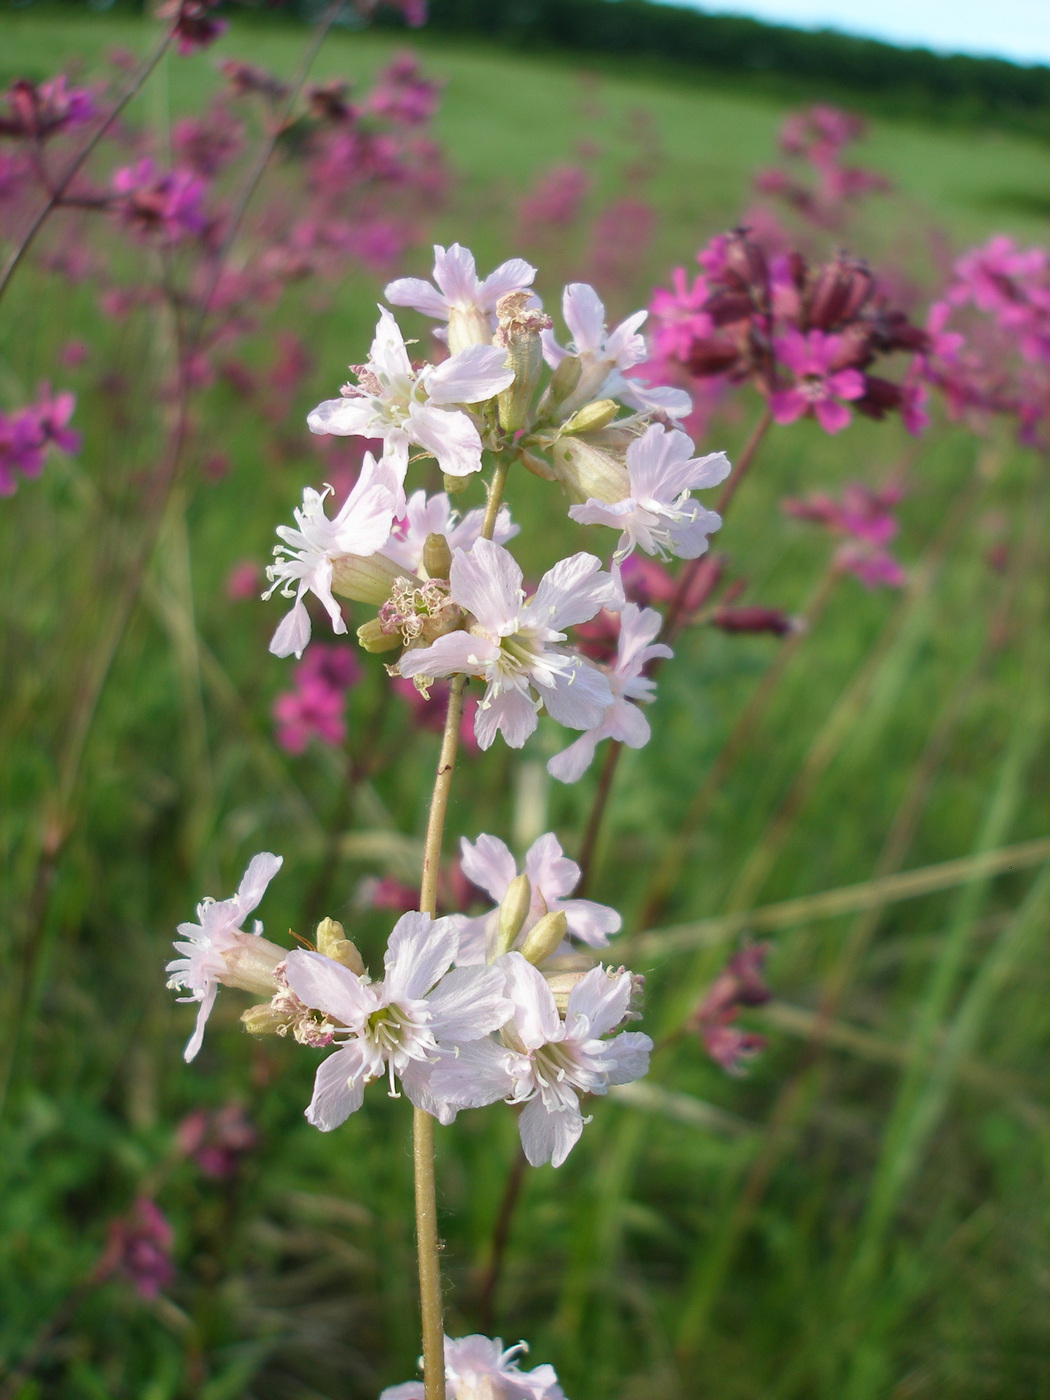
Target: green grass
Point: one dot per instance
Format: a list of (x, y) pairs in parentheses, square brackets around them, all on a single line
[(867, 1218)]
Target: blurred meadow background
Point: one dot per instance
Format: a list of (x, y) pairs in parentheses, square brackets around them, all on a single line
[(863, 785)]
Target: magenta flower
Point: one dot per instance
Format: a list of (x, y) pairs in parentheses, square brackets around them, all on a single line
[(26, 435), (316, 707), (42, 110), (818, 386), (139, 1247), (866, 519), (160, 204)]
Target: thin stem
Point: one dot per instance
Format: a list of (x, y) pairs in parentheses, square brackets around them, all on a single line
[(500, 1234), (585, 857), (428, 1245), (57, 190), (743, 462)]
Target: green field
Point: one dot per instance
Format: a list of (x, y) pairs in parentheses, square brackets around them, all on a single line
[(865, 1214)]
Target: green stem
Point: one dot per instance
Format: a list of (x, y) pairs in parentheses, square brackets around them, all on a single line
[(428, 1245)]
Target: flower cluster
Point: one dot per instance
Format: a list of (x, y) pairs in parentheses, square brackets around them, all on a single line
[(739, 984), (467, 1011), (26, 435), (866, 521), (817, 137), (989, 337), (315, 708), (454, 598), (807, 337)]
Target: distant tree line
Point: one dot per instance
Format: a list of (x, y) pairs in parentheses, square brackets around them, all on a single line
[(869, 73)]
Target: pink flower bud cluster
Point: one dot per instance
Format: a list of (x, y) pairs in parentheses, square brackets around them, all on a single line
[(806, 337), (989, 337), (867, 521), (315, 709), (26, 435), (216, 1140), (41, 110), (818, 136), (139, 1248), (739, 984)]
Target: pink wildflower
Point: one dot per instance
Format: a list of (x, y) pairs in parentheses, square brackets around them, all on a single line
[(739, 984), (819, 386), (315, 708), (216, 1140), (139, 1247), (42, 110), (156, 204)]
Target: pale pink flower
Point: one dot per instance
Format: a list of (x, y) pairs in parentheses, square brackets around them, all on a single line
[(434, 515), (489, 865), (559, 1060), (513, 644), (217, 949), (395, 1027), (605, 356), (361, 527), (477, 1368), (403, 405), (659, 515), (461, 298), (623, 720)]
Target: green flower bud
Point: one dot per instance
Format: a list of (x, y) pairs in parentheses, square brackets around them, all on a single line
[(544, 937), (332, 943), (513, 912)]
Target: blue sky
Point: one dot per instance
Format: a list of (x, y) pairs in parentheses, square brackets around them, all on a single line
[(1015, 29)]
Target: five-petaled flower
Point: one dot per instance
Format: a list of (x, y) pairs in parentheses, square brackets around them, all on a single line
[(547, 1063), (404, 406), (513, 644), (217, 950), (659, 516), (395, 1027), (461, 298), (478, 1368), (552, 876), (622, 720)]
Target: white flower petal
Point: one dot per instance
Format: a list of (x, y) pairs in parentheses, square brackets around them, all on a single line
[(468, 1003), (488, 864), (420, 950), (337, 1090), (419, 295), (342, 417), (547, 1136), (324, 985), (601, 998), (486, 580), (473, 375), (447, 434), (535, 1014)]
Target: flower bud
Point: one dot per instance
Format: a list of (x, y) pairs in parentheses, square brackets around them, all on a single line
[(437, 556), (365, 580), (331, 943), (250, 963), (513, 912), (564, 379), (375, 640), (546, 935), (264, 1019), (589, 467), (453, 485), (592, 416), (539, 466)]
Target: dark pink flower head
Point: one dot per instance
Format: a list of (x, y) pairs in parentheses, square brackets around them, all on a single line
[(207, 145), (155, 204), (328, 102), (739, 984), (195, 25), (245, 580), (246, 79), (315, 709), (216, 1140), (26, 434), (866, 521), (52, 413), (555, 200), (819, 388), (139, 1247), (42, 110), (820, 131), (402, 94)]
